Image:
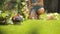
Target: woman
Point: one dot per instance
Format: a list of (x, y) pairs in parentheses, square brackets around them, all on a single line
[(37, 6)]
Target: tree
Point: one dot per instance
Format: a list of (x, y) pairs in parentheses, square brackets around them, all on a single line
[(51, 5), (1, 4)]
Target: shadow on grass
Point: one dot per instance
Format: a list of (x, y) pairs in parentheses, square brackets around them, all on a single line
[(1, 31)]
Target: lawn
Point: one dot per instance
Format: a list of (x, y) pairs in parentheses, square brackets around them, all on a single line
[(33, 27)]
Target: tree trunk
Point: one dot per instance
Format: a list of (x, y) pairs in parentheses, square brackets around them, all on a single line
[(51, 5)]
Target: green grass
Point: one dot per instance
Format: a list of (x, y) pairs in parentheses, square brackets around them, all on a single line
[(33, 27)]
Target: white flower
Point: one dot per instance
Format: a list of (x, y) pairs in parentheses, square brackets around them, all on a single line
[(21, 16), (0, 11), (56, 14), (23, 3), (26, 0), (50, 14)]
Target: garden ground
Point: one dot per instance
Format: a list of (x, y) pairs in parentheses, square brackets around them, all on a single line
[(33, 27)]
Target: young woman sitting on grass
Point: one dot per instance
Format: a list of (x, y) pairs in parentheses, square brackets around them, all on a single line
[(36, 6)]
